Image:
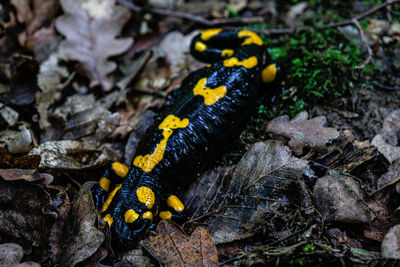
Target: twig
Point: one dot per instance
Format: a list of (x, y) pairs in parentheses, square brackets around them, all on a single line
[(332, 25), (389, 88), (366, 62)]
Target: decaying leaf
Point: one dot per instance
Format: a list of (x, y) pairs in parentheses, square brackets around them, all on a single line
[(71, 154), (387, 141), (11, 255), (346, 153), (382, 211), (173, 44), (173, 247), (33, 14), (82, 116), (23, 86), (392, 174), (391, 243), (49, 81), (8, 115), (136, 257), (83, 238), (90, 28), (266, 182), (25, 220), (20, 141), (339, 198), (302, 132)]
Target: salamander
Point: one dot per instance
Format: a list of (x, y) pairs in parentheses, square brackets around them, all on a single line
[(208, 111)]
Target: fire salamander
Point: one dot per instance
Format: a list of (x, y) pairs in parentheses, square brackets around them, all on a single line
[(209, 110)]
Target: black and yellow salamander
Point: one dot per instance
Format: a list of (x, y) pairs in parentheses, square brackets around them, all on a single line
[(209, 110)]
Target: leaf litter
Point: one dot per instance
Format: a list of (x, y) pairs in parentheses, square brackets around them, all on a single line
[(90, 28)]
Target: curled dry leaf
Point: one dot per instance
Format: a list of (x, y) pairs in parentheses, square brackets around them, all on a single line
[(20, 141), (90, 28), (387, 140), (71, 154), (173, 247), (382, 210), (264, 189), (84, 239), (42, 12), (346, 153), (49, 81), (302, 132)]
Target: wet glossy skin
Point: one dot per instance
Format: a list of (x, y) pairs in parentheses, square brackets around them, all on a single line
[(210, 108)]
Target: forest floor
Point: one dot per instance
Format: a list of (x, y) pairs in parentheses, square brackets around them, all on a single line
[(313, 179)]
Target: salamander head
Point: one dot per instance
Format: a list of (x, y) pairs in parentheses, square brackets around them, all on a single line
[(129, 215)]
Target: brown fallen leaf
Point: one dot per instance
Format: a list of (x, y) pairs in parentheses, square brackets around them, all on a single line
[(11, 255), (49, 81), (33, 14), (383, 212), (303, 132), (387, 140), (346, 153), (83, 238), (90, 28), (23, 214), (262, 191), (173, 247), (339, 198), (391, 243)]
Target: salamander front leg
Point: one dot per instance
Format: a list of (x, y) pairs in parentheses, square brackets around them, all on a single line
[(113, 175)]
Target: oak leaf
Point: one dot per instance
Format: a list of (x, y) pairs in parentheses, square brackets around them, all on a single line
[(90, 28), (173, 247), (303, 132)]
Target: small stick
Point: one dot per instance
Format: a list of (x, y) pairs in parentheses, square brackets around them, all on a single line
[(366, 62)]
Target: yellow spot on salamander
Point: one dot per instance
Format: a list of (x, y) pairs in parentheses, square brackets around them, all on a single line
[(207, 34), (200, 46), (251, 38), (248, 63), (227, 53), (104, 183), (149, 161), (120, 169), (210, 95), (131, 216), (166, 215), (269, 73), (148, 215), (110, 197), (108, 219), (146, 196), (175, 203)]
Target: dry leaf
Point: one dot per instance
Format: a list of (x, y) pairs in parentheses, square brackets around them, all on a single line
[(23, 214), (382, 210), (49, 81), (264, 189), (339, 198), (391, 243), (83, 238), (73, 155), (302, 132), (90, 28), (387, 140), (173, 247), (33, 19), (11, 254)]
